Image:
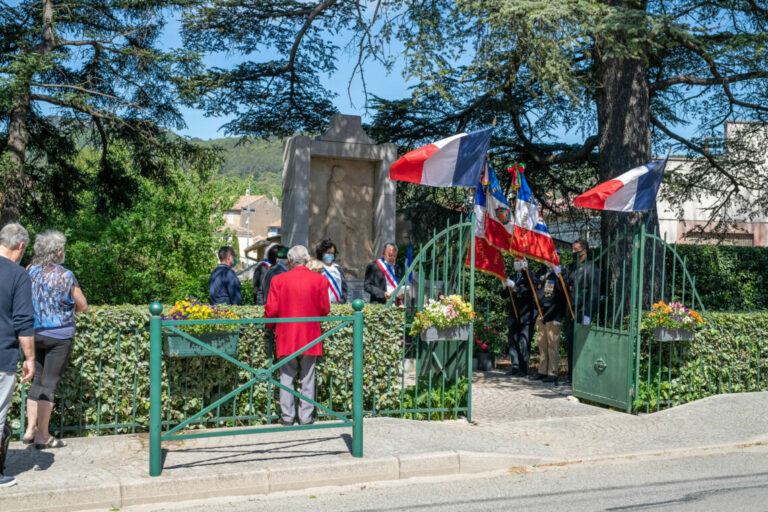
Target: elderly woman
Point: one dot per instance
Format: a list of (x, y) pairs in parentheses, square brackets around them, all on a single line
[(337, 284), (56, 296)]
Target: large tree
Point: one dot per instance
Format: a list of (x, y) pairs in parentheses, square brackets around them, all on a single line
[(76, 72)]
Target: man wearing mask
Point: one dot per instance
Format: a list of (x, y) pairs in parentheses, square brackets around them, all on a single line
[(582, 275), (223, 285), (17, 328), (280, 267), (551, 297), (522, 316), (383, 275)]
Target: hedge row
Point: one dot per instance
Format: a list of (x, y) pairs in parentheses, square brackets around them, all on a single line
[(729, 355), (106, 386)]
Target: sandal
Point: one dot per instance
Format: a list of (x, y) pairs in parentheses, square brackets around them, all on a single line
[(52, 443), (28, 441)]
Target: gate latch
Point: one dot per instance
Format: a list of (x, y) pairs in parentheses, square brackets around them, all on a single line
[(600, 365)]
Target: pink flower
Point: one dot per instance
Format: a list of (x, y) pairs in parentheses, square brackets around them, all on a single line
[(495, 331), (478, 341), (483, 346)]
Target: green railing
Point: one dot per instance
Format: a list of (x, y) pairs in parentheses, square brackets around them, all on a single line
[(257, 375), (442, 383), (718, 360)]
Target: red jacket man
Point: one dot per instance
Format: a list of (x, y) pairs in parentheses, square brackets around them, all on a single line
[(299, 292)]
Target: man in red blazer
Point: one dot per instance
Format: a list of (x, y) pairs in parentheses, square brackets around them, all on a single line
[(293, 294)]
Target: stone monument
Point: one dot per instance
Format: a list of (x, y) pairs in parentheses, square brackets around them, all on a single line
[(337, 185)]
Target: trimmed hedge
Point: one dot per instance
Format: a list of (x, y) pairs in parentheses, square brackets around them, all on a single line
[(106, 386), (728, 278), (728, 356)]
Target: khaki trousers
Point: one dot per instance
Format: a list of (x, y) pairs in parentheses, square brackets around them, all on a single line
[(549, 350)]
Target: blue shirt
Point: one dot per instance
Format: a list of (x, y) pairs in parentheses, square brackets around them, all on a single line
[(53, 300), (223, 286), (17, 316)]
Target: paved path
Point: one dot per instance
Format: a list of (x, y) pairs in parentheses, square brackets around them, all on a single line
[(515, 423)]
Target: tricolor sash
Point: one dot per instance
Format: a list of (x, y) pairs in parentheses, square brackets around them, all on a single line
[(333, 286)]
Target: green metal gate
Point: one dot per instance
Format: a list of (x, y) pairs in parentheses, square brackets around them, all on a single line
[(442, 378), (630, 273)]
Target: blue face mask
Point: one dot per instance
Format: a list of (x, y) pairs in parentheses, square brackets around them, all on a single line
[(234, 262), (328, 258)]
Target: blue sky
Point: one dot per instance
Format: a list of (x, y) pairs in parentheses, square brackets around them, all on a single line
[(352, 102)]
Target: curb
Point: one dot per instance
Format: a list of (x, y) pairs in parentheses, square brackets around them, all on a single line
[(123, 491)]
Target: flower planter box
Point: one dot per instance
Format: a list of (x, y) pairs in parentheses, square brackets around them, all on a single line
[(456, 333), (175, 345), (664, 334)]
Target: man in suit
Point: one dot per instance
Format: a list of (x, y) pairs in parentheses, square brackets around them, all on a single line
[(522, 315), (580, 274), (382, 276), (297, 293), (270, 259)]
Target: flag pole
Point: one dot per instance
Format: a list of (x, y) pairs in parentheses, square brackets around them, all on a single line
[(514, 308), (535, 296), (567, 295)]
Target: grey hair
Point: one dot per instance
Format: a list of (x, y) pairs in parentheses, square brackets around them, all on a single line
[(47, 247), (298, 255), (12, 235)]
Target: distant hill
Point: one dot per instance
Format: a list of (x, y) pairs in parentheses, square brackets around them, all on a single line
[(262, 159)]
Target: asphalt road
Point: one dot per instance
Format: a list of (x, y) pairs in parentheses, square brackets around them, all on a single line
[(707, 480)]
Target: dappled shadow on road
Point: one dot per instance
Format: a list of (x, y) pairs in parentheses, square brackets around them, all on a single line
[(28, 459)]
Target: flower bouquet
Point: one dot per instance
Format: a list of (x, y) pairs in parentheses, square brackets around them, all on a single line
[(445, 319), (223, 337), (673, 321)]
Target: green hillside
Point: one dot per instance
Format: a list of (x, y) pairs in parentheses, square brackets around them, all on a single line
[(260, 159)]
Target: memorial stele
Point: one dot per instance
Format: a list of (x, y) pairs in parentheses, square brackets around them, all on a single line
[(337, 186)]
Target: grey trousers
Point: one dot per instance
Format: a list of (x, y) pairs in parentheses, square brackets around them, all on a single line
[(306, 367), (7, 383)]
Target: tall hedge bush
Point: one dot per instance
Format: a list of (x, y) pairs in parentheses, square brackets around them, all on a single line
[(729, 355), (106, 386)]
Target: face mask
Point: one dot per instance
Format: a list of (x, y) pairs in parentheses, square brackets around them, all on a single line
[(63, 257), (283, 261), (518, 266), (328, 258), (234, 262)]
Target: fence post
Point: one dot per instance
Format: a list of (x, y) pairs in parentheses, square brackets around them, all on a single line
[(155, 397), (357, 379)]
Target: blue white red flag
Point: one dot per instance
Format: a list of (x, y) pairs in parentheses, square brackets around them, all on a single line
[(409, 260), (530, 237), (487, 257), (633, 191), (453, 162), (499, 227)]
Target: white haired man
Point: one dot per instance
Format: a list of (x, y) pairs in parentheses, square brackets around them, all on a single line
[(297, 293), (17, 326)]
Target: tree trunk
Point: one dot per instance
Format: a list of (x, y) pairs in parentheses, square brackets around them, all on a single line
[(15, 183), (624, 129)]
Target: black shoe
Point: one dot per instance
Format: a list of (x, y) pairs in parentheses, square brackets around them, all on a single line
[(521, 374), (538, 376), (513, 372), (566, 381), (550, 378), (285, 423)]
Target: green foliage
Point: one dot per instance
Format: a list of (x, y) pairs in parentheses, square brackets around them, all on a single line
[(431, 397), (261, 160), (730, 355), (161, 248), (106, 386), (727, 278)]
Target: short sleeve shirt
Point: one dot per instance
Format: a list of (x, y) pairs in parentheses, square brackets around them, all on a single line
[(53, 300)]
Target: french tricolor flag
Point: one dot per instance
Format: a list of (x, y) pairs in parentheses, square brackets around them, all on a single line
[(453, 162), (633, 191)]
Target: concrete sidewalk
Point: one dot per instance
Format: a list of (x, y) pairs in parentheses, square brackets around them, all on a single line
[(516, 423)]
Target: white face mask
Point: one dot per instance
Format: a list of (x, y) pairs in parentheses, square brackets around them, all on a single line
[(63, 257)]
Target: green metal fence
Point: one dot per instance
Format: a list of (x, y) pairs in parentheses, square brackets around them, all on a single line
[(441, 386), (618, 362), (257, 375)]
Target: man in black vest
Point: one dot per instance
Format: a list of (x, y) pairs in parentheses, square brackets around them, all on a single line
[(382, 275), (551, 295), (280, 266), (582, 275), (521, 320)]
